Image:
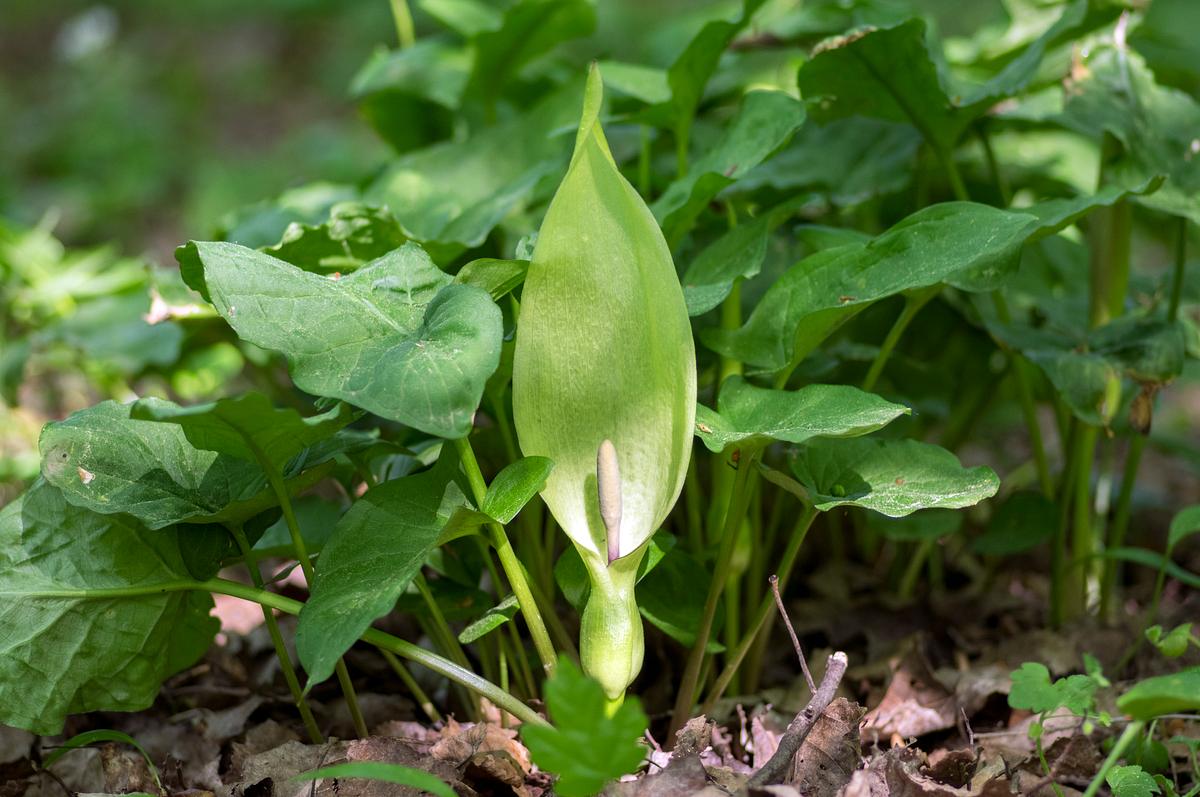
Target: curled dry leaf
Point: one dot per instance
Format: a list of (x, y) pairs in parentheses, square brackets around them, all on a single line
[(831, 752), (915, 703)]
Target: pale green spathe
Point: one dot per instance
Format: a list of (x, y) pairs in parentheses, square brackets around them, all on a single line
[(604, 351)]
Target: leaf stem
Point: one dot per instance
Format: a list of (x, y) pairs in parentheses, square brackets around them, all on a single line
[(439, 630), (509, 562), (952, 174), (739, 499), (913, 303), (1180, 267), (683, 133), (989, 155), (411, 684), (275, 478), (281, 652), (644, 153), (908, 582), (1137, 446), (1023, 379), (766, 609), (1127, 736), (405, 31), (380, 639)]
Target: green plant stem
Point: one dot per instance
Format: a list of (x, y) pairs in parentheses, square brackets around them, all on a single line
[(912, 571), (289, 515), (644, 153), (281, 652), (380, 639), (1120, 525), (411, 684), (731, 319), (1041, 754), (1058, 555), (512, 650), (553, 622), (683, 134), (509, 562), (692, 498), (952, 174), (765, 611), (1131, 732), (405, 31), (1024, 383), (993, 166), (1083, 542), (444, 635), (739, 499), (1110, 262), (1180, 268), (913, 303)]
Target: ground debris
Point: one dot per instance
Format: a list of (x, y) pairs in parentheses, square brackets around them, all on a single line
[(915, 703)]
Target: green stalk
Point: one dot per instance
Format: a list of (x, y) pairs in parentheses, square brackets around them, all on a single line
[(1137, 447), (275, 478), (405, 32), (912, 571), (692, 497), (644, 161), (1110, 262), (1131, 732), (281, 653), (509, 562), (413, 687), (380, 639), (516, 653), (1058, 557), (443, 634), (1024, 382), (683, 134), (993, 167), (739, 499), (765, 610), (1180, 267), (1084, 542), (1120, 525), (913, 303), (952, 174)]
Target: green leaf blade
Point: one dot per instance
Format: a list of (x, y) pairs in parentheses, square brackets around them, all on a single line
[(588, 746), (380, 771), (90, 613), (515, 486), (892, 477), (754, 415), (376, 550), (395, 337)]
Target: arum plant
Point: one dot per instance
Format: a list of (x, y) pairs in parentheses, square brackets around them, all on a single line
[(604, 384)]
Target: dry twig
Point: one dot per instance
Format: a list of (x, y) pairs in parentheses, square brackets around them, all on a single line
[(799, 728)]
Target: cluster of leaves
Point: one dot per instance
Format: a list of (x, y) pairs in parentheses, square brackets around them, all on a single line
[(860, 321), (1146, 770)]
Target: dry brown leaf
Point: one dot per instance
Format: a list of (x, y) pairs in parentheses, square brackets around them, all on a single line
[(898, 773), (830, 753), (459, 743), (915, 703), (125, 770), (259, 739)]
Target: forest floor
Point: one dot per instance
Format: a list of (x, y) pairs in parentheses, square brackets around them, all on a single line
[(922, 710)]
